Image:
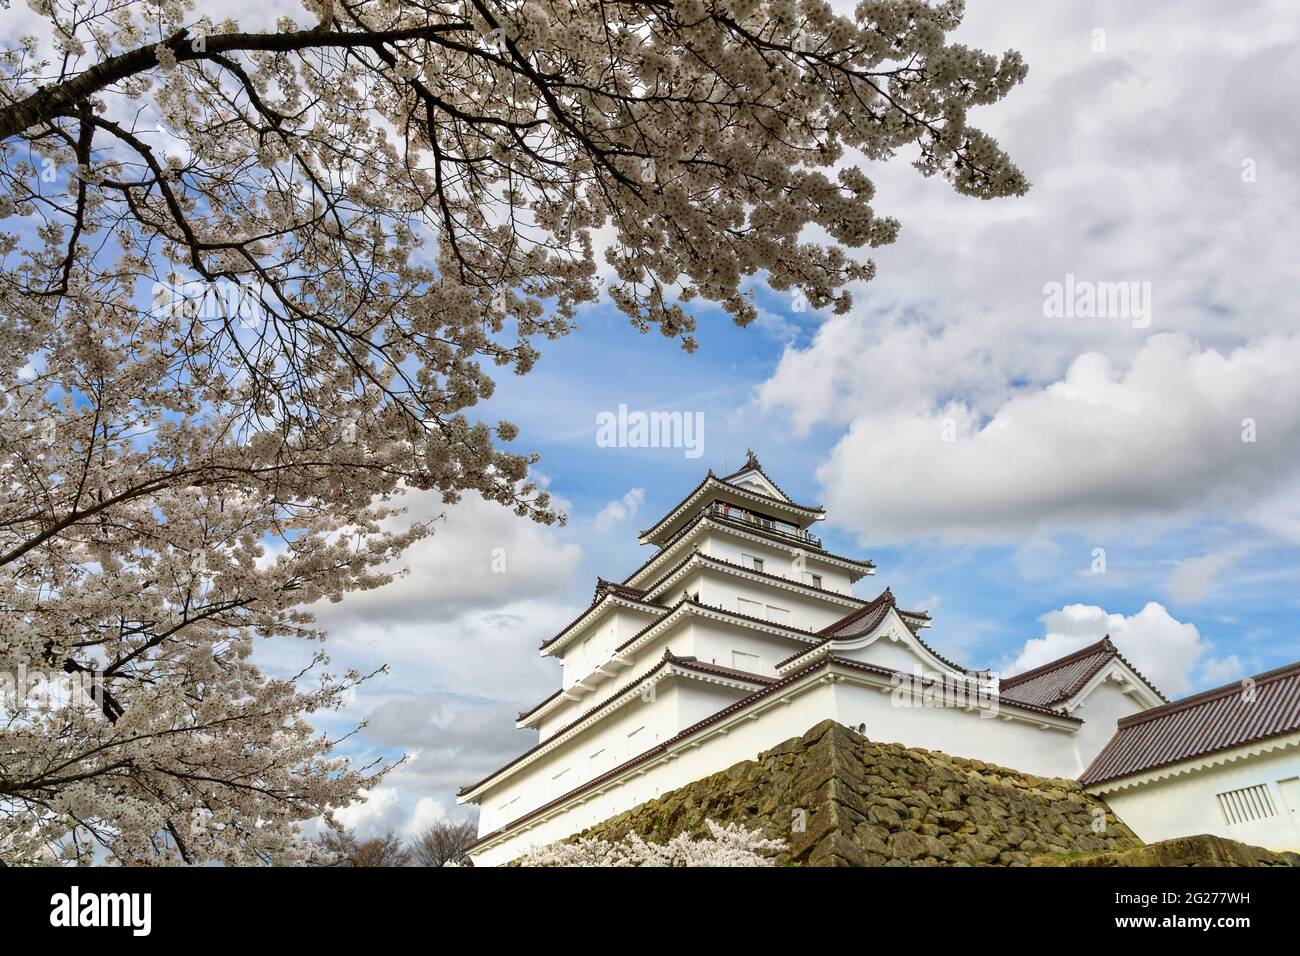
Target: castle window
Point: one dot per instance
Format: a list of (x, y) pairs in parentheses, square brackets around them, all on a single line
[(745, 662), (752, 562)]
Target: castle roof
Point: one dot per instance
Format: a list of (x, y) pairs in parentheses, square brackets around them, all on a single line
[(1236, 714), (866, 619), (1057, 681), (868, 567), (805, 513)]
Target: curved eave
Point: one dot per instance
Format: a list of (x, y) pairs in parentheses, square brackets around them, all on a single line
[(594, 613), (801, 516), (669, 666), (706, 561), (655, 563)]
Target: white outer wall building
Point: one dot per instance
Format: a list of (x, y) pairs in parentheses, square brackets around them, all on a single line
[(1225, 761), (1250, 793)]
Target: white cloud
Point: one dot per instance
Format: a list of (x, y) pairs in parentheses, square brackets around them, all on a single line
[(480, 555), (427, 812), (616, 512), (1194, 578), (1165, 650), (1221, 671), (381, 810), (1136, 161), (1098, 448)]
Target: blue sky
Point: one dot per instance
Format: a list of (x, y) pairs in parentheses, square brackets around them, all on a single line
[(1154, 137)]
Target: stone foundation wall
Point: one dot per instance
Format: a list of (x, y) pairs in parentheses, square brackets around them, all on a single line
[(839, 799)]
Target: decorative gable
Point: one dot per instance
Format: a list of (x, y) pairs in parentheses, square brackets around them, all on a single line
[(881, 635)]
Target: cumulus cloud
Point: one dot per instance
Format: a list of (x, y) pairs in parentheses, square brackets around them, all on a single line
[(1168, 652), (616, 512), (386, 809), (380, 812), (1068, 421), (479, 555), (1101, 446)]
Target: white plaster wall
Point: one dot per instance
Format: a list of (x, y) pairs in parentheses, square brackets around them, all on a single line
[(776, 559), (582, 655), (1186, 805), (1100, 709), (1015, 744), (707, 640), (714, 642), (533, 786), (805, 611), (744, 741), (896, 655), (678, 640), (956, 731)]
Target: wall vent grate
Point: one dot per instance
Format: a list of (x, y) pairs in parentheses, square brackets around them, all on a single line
[(1246, 804)]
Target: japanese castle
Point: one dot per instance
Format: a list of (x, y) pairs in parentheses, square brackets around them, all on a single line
[(742, 631)]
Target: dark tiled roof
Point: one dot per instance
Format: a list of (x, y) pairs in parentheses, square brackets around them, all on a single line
[(1059, 680), (1220, 719), (775, 686), (709, 668), (864, 619)]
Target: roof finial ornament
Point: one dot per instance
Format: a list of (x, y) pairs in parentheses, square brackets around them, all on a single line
[(751, 460)]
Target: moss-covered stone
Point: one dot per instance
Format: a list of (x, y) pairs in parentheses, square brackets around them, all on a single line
[(839, 799), (1201, 850)]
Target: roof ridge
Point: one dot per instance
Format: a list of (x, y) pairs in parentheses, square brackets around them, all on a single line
[(1206, 696), (1059, 662)]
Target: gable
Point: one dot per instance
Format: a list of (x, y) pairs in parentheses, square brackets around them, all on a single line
[(892, 644), (1118, 676), (757, 481)]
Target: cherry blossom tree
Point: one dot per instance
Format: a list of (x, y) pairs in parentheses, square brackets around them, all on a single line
[(253, 284), (732, 845)]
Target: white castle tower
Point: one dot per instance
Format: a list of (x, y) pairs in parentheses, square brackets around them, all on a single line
[(742, 631)]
